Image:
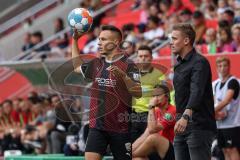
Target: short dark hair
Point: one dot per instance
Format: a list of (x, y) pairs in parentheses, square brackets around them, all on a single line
[(166, 2), (186, 29), (113, 29), (186, 12), (223, 23), (154, 19), (128, 27), (61, 24), (37, 34), (197, 14), (227, 30), (229, 12), (165, 89), (144, 47), (211, 7), (7, 101)]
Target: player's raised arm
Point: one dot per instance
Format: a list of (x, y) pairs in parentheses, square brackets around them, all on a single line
[(76, 59), (80, 20)]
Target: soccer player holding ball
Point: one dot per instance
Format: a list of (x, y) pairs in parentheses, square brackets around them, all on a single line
[(115, 80)]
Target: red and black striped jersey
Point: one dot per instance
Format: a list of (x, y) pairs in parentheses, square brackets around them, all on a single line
[(110, 104)]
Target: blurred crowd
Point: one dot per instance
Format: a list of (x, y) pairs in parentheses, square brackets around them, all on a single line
[(215, 22), (31, 124), (37, 124)]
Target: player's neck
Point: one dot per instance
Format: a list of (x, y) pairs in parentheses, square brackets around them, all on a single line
[(147, 69), (224, 79), (164, 108), (114, 55)]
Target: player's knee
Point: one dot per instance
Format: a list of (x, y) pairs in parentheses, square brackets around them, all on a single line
[(152, 138), (233, 150), (227, 150), (91, 156), (134, 154)]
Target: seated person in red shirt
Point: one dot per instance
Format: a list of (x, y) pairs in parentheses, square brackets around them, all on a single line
[(158, 136)]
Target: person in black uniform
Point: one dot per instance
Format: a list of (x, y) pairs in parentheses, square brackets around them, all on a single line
[(196, 125)]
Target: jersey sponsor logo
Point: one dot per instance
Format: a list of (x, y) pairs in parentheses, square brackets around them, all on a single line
[(107, 82)]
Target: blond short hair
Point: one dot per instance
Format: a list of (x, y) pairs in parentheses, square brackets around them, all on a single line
[(187, 30), (223, 59)]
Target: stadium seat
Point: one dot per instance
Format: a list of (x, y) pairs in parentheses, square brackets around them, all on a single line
[(188, 4), (124, 7), (120, 20), (13, 84), (212, 24), (165, 51)]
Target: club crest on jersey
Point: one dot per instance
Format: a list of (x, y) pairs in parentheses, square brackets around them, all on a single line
[(168, 116)]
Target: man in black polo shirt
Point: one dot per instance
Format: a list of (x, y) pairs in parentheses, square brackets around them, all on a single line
[(195, 126), (115, 80)]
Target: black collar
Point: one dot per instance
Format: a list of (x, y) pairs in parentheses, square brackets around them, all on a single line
[(187, 57)]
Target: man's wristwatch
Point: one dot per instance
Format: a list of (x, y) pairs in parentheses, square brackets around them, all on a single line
[(186, 117), (151, 107)]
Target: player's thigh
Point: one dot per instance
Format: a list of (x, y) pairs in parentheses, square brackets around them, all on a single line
[(229, 137), (92, 155), (162, 147), (120, 144), (170, 153)]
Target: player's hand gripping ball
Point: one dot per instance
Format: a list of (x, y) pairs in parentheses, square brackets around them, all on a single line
[(80, 19)]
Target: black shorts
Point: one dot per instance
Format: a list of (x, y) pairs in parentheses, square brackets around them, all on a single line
[(138, 126), (169, 155), (228, 137), (120, 143)]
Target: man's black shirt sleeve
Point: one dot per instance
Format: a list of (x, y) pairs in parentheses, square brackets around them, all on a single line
[(198, 82)]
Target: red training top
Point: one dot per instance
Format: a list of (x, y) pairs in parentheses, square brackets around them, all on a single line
[(168, 120)]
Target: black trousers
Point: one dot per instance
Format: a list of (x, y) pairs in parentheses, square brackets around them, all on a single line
[(193, 144)]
